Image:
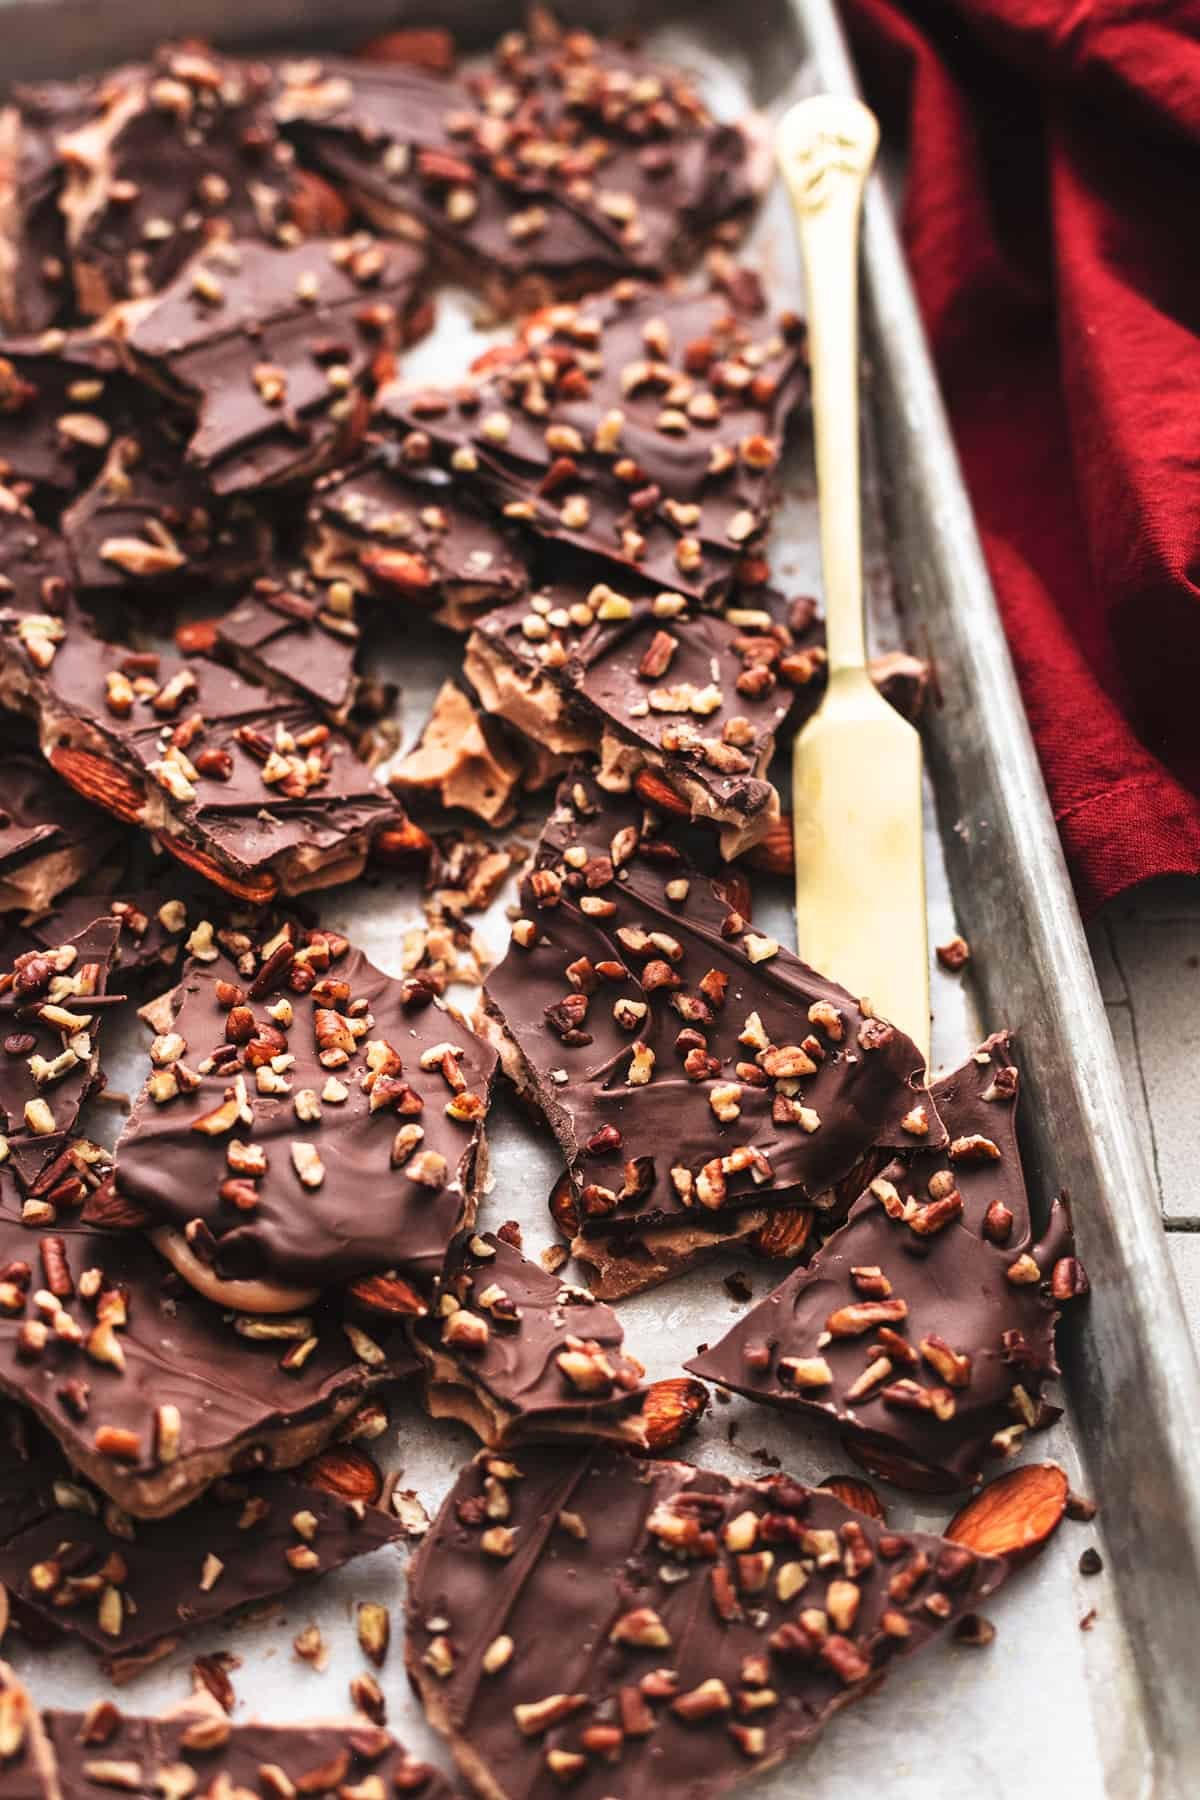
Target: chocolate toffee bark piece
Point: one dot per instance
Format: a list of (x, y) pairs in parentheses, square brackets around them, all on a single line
[(275, 352), (249, 788), (702, 1626), (128, 1591), (49, 838), (309, 1141), (152, 1391), (149, 522), (561, 166), (461, 761), (151, 931), (52, 1004), (411, 541), (517, 1354), (178, 151), (925, 1325), (62, 398), (689, 1066), (35, 284), (197, 1750), (293, 632), (651, 683), (644, 427)]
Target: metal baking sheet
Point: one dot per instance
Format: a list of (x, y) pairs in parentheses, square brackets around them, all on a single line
[(1049, 1707)]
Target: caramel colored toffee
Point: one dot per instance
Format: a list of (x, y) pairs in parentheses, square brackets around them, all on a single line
[(643, 428), (565, 163), (412, 542), (703, 1628), (195, 1750), (174, 152), (52, 1005), (518, 1354), (35, 281), (653, 683), (275, 352), (128, 1591), (151, 1390), (689, 1066), (49, 838), (925, 1325), (310, 1134), (248, 787)]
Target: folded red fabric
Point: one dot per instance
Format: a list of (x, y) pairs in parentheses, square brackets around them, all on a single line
[(1052, 222)]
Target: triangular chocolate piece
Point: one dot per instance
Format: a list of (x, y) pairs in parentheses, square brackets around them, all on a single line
[(626, 1625), (924, 1327)]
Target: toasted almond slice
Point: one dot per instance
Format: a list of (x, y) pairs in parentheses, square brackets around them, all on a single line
[(1015, 1515)]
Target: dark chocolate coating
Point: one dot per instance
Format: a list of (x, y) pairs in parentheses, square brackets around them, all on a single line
[(149, 522), (178, 150), (352, 1752), (29, 1042), (304, 817), (285, 633), (34, 563), (605, 166), (41, 818), (275, 349), (367, 1215), (149, 939), (164, 1559), (859, 1096), (235, 1399), (602, 1545), (659, 688), (413, 542), (695, 492), (955, 1285), (61, 398), (516, 1372)]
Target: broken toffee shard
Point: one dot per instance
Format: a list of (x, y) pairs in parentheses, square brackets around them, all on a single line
[(293, 1137), (651, 683), (708, 1627), (412, 542), (152, 1391), (52, 1004), (565, 163), (276, 352), (294, 633), (131, 1586), (196, 1750), (517, 1354), (61, 395), (174, 151), (249, 788), (924, 1327), (697, 1076), (643, 428)]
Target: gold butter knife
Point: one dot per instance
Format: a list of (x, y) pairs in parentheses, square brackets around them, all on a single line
[(856, 779)]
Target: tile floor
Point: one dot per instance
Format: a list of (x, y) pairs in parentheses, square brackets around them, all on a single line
[(1147, 951)]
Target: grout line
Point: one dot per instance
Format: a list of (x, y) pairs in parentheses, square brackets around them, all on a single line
[(1141, 1074)]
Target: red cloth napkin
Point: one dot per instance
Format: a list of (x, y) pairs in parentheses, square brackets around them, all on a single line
[(1053, 228)]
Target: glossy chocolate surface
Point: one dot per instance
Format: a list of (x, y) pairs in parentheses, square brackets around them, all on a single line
[(928, 1253), (396, 1172), (52, 1006), (229, 1379), (541, 1355), (275, 350), (807, 1081), (664, 1625)]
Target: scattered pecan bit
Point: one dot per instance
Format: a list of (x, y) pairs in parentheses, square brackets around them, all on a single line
[(954, 954)]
